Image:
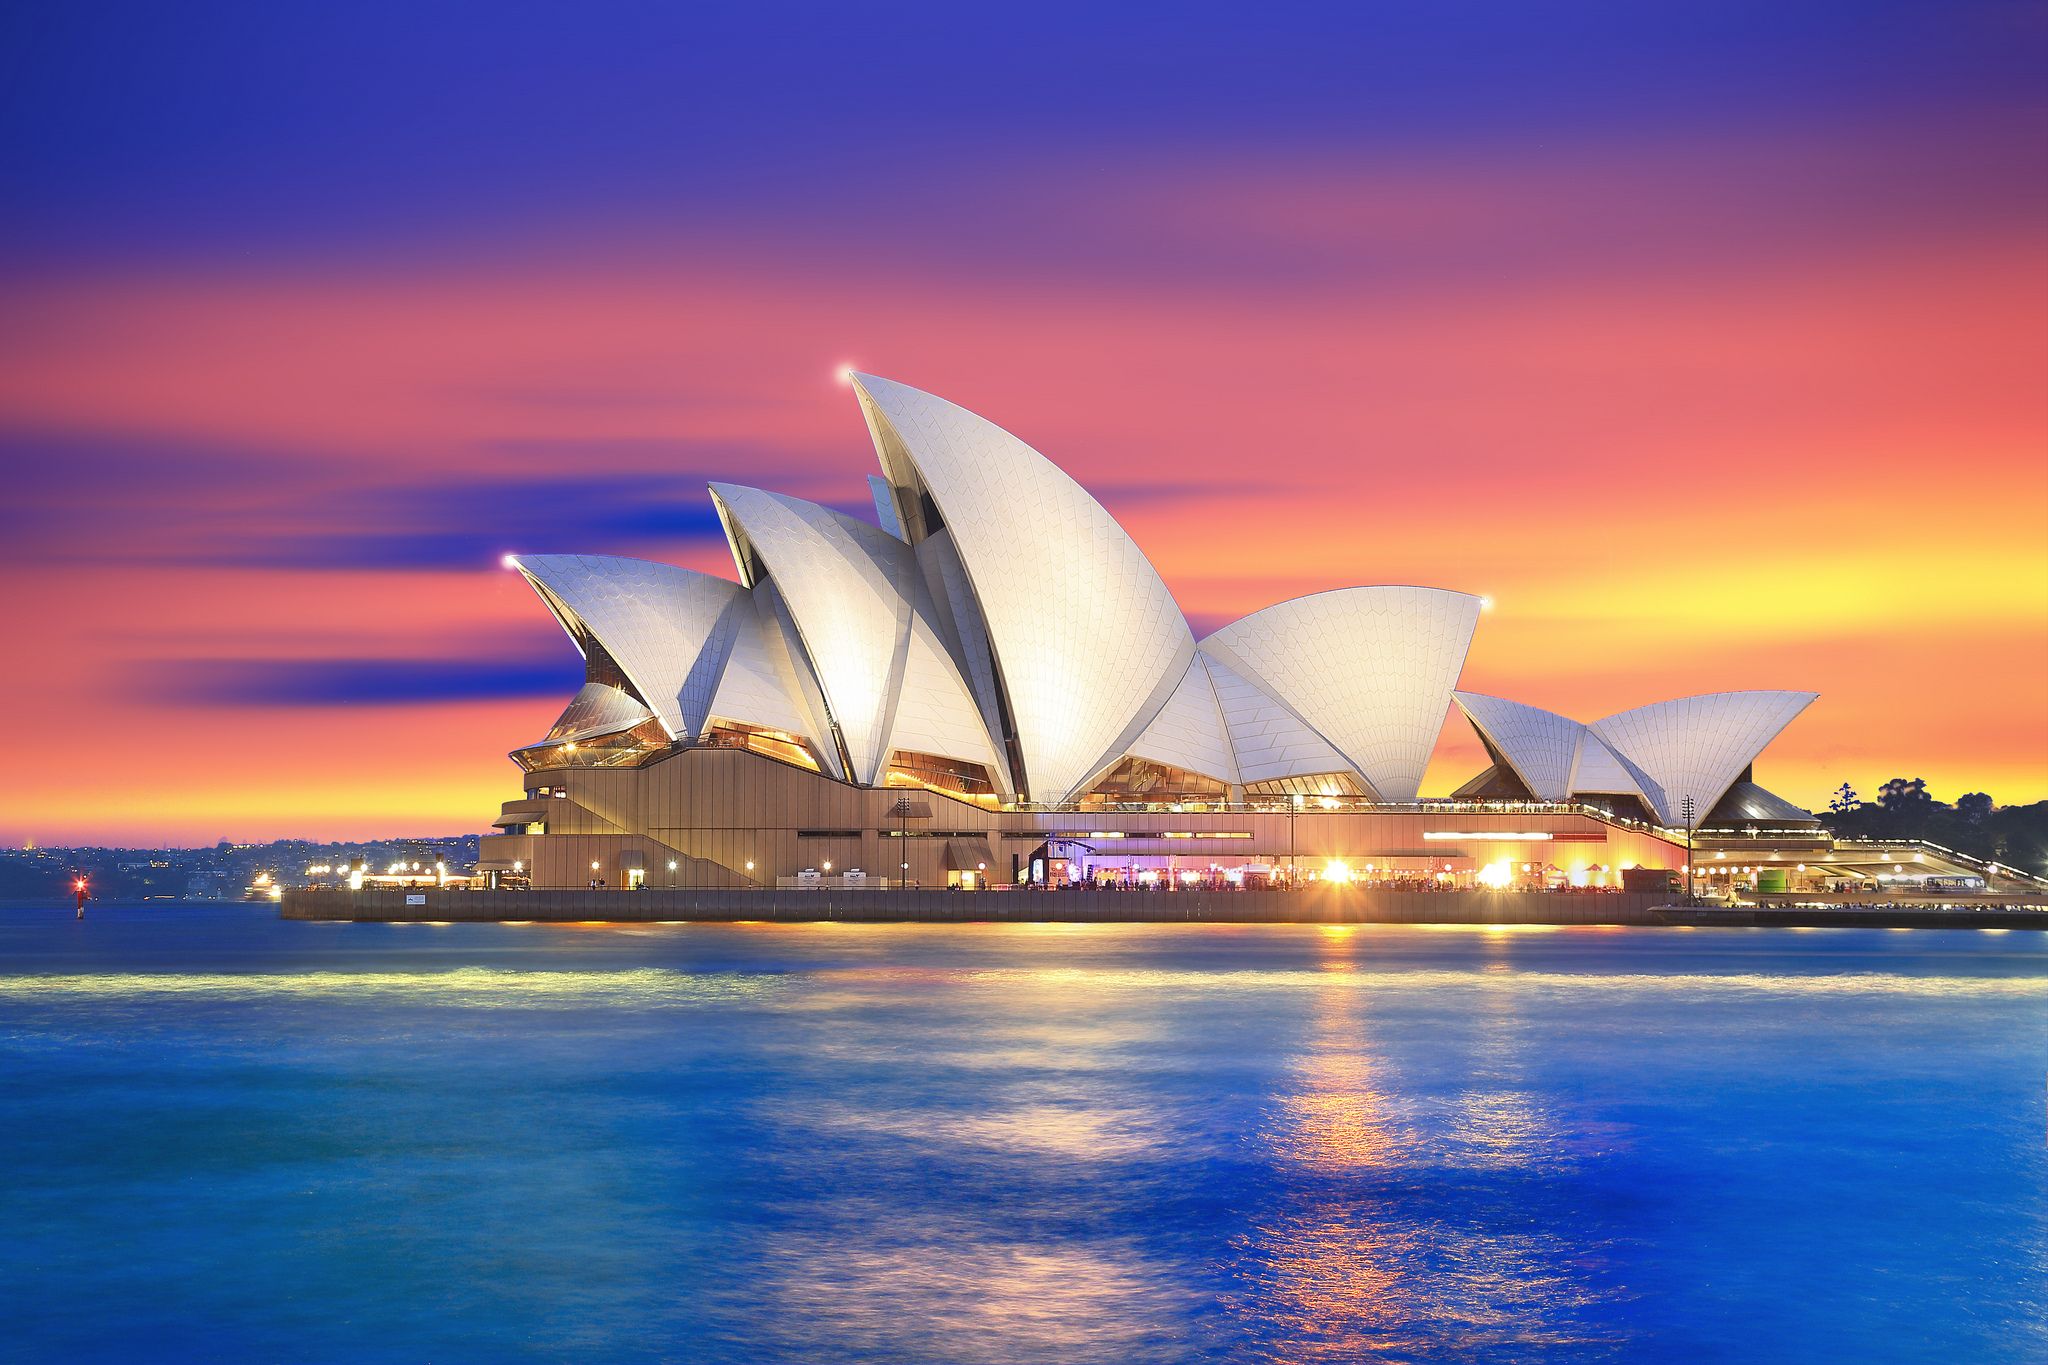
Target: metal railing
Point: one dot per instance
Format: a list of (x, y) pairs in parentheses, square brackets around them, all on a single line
[(1989, 866)]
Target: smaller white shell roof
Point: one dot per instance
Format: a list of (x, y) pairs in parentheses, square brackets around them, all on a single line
[(1748, 801), (596, 710), (694, 646), (1188, 732), (1597, 770), (1267, 741), (864, 618), (1370, 669), (936, 714), (1539, 745), (668, 628), (1697, 746), (761, 685), (843, 581), (1556, 757)]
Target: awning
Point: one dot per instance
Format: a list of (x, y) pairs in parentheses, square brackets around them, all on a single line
[(968, 855), (1901, 868)]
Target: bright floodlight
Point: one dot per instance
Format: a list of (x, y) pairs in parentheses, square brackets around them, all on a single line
[(845, 373), (508, 562)]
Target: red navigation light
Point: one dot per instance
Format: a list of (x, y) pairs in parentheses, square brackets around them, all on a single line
[(78, 885)]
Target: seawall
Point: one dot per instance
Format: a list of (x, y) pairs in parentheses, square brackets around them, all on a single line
[(1312, 905)]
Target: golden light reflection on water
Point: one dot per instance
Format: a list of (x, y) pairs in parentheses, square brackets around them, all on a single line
[(1327, 1272), (1072, 1130), (1333, 1115), (900, 1288), (464, 985), (1343, 1267), (1495, 1119), (470, 987)]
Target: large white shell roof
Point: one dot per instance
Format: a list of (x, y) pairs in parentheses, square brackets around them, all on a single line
[(1089, 642)]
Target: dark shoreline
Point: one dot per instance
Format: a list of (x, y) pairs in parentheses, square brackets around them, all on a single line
[(1316, 905)]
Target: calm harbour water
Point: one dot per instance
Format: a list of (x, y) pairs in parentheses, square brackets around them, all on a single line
[(234, 1139)]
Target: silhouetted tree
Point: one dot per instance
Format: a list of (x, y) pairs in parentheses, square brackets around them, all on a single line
[(1902, 797), (1974, 806), (1845, 800)]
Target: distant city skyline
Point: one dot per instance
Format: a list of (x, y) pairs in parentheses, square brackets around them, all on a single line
[(1720, 367)]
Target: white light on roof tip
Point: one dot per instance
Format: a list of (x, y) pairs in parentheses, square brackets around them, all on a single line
[(845, 373), (508, 562)]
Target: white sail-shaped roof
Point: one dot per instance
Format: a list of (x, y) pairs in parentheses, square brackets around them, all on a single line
[(668, 629), (762, 685), (857, 599), (596, 710), (692, 646), (1556, 757), (1748, 802), (1539, 745), (1697, 746), (1188, 732), (952, 597), (936, 715), (1371, 669), (837, 578), (1088, 642), (1598, 771), (886, 514), (1267, 741)]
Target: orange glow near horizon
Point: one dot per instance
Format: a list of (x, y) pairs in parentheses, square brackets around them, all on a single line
[(1796, 467)]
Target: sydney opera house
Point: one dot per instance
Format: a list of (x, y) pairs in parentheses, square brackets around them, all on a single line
[(990, 684)]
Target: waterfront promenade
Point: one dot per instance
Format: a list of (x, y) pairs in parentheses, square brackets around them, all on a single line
[(1310, 905)]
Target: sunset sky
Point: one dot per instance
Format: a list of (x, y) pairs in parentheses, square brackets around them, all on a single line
[(1710, 341)]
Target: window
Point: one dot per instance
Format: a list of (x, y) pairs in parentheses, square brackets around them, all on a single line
[(1139, 781), (955, 776)]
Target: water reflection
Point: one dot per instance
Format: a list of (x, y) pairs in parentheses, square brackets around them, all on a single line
[(961, 1201), (904, 1289), (1366, 1251), (338, 1143)]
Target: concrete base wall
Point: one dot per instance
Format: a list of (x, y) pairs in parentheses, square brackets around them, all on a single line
[(1312, 905)]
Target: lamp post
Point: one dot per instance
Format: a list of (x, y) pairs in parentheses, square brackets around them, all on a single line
[(1293, 866), (901, 810), (905, 810), (1689, 813)]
